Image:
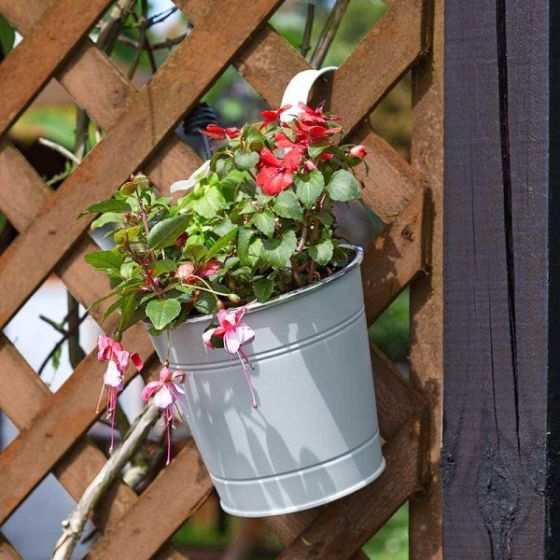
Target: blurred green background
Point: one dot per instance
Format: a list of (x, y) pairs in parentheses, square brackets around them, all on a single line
[(53, 116)]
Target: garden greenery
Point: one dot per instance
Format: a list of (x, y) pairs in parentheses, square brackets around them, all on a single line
[(253, 222)]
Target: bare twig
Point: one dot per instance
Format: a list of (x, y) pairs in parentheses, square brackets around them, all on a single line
[(75, 351), (308, 31), (58, 345), (73, 526), (328, 33), (166, 44), (110, 29), (60, 149)]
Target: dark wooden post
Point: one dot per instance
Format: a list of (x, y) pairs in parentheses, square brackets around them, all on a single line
[(502, 283)]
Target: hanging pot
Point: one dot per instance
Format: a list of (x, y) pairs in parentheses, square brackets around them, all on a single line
[(314, 436)]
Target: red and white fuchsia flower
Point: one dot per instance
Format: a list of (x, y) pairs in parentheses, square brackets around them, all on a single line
[(358, 151), (189, 272), (117, 358), (234, 334), (166, 391)]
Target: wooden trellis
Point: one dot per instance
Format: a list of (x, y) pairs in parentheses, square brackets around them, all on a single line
[(138, 126)]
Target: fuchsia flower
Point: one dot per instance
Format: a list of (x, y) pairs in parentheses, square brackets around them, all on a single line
[(358, 151), (188, 271), (219, 133), (271, 115), (117, 358), (166, 390), (234, 334), (276, 175)]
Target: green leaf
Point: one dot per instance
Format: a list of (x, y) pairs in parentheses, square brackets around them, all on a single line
[(108, 218), (162, 311), (7, 37), (209, 204), (253, 138), (128, 312), (165, 265), (264, 222), (322, 252), (316, 150), (243, 239), (104, 260), (127, 269), (277, 252), (325, 217), (205, 303), (167, 231), (109, 205), (246, 160), (343, 186), (263, 289), (287, 205), (126, 234), (222, 243), (309, 187)]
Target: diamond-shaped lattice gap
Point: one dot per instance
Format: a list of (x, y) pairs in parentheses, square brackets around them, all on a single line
[(36, 338), (392, 118), (360, 16), (166, 28), (35, 525)]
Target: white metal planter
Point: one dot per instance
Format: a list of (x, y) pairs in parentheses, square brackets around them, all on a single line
[(314, 436)]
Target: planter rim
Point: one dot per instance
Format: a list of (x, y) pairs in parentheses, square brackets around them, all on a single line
[(294, 294)]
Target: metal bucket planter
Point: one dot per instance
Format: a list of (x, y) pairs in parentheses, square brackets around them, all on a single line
[(314, 436)]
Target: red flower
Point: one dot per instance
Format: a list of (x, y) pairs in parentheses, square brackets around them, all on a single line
[(276, 175), (315, 116), (271, 115), (219, 133), (358, 151), (316, 132)]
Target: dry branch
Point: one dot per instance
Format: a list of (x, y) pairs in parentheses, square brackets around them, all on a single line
[(74, 524)]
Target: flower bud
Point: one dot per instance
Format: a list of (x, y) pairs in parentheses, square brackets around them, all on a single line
[(220, 305), (234, 298), (358, 151)]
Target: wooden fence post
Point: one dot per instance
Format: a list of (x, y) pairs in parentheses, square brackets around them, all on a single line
[(502, 254)]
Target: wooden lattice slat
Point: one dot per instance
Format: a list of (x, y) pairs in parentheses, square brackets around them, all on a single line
[(395, 192), (54, 36)]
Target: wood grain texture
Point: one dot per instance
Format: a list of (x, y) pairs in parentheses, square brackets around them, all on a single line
[(171, 498), (268, 62), (500, 300), (100, 88), (395, 258), (63, 419), (426, 292), (23, 399), (155, 110), (23, 73), (342, 527), (7, 551), (22, 204)]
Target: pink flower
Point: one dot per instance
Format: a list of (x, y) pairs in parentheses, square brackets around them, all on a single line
[(219, 133), (235, 335), (167, 390), (276, 175), (358, 151), (117, 358), (188, 271), (272, 115)]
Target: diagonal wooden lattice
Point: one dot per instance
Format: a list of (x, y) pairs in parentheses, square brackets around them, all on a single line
[(139, 125)]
